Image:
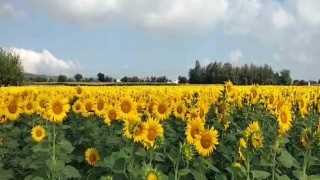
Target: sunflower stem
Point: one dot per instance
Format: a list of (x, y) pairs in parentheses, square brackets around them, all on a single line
[(176, 166)]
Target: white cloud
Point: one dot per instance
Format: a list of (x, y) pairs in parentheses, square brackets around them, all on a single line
[(235, 56), (45, 63), (290, 26)]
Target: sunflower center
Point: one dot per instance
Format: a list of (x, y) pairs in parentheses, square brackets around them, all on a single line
[(151, 134), (302, 103), (254, 93), (88, 106), (150, 108), (179, 109), (162, 109), (112, 115), (13, 108), (139, 131), (38, 133), (194, 132), (29, 106), (100, 105), (206, 141), (57, 107), (79, 90), (194, 115), (78, 107), (125, 106), (92, 158), (283, 118), (42, 103)]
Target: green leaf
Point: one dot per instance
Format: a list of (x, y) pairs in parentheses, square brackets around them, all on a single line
[(71, 172), (314, 177), (197, 175), (141, 152), (283, 177), (286, 159), (66, 145), (41, 147), (119, 165), (37, 178), (55, 165), (158, 157), (260, 174), (6, 174), (183, 172), (220, 177)]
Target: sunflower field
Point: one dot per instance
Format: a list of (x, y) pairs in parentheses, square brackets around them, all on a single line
[(154, 133)]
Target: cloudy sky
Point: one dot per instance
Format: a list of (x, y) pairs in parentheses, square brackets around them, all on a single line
[(161, 37)]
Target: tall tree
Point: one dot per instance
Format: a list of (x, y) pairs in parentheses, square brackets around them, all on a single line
[(11, 70), (62, 78), (101, 77), (285, 78), (78, 77)]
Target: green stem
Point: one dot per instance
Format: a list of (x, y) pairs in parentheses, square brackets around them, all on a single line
[(54, 143), (274, 165), (248, 164), (131, 160), (176, 167), (306, 164)]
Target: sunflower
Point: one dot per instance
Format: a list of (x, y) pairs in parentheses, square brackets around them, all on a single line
[(127, 107), (77, 106), (130, 125), (305, 138), (79, 91), (87, 109), (179, 110), (99, 107), (112, 113), (151, 173), (194, 127), (29, 106), (38, 133), (207, 141), (252, 128), (257, 140), (303, 106), (192, 113), (161, 109), (12, 108), (140, 132), (92, 156), (41, 102), (255, 95), (236, 165), (154, 130), (243, 143), (57, 109), (284, 120)]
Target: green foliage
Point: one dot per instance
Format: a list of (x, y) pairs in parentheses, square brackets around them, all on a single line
[(218, 73), (62, 78), (11, 70)]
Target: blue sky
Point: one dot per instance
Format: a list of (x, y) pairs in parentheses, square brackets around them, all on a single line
[(144, 38)]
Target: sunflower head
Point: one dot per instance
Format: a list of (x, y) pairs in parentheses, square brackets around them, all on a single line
[(38, 133), (257, 140), (187, 152), (151, 173), (207, 142), (92, 156)]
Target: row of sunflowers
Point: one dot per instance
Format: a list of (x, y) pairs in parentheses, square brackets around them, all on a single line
[(176, 132)]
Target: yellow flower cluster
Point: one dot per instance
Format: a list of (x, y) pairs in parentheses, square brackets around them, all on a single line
[(144, 108)]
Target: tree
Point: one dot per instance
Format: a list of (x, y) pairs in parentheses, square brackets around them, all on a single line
[(182, 80), (162, 79), (11, 70), (78, 77), (101, 77), (62, 78), (108, 79), (285, 78)]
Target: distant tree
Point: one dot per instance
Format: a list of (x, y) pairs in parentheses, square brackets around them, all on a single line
[(108, 79), (319, 81), (303, 82), (78, 77), (101, 77), (40, 79), (62, 78), (182, 80), (162, 79), (313, 82), (11, 70), (124, 79), (135, 79), (285, 78), (296, 82), (153, 79)]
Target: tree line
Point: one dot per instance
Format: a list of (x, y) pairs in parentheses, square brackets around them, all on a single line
[(11, 73), (218, 73)]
